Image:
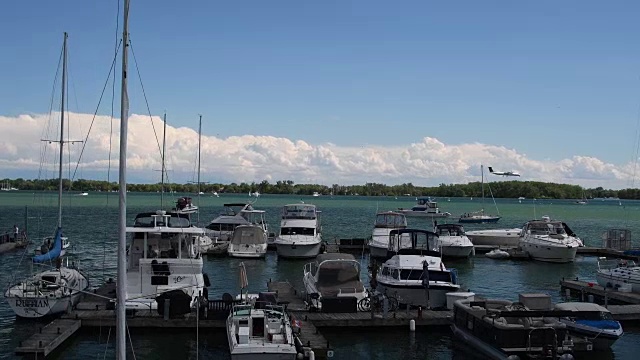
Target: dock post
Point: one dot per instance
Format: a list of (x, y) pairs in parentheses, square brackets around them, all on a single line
[(606, 298), (167, 302), (412, 325), (312, 355), (590, 298), (567, 292)]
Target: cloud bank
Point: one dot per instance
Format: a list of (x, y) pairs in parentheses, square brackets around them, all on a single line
[(428, 161)]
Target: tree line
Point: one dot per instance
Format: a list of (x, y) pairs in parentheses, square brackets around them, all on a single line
[(499, 189)]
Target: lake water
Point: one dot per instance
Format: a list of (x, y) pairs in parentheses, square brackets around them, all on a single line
[(90, 222)]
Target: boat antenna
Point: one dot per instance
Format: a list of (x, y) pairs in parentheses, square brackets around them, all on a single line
[(482, 179), (121, 284)]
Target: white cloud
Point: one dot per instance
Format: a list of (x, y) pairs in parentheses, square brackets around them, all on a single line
[(254, 158)]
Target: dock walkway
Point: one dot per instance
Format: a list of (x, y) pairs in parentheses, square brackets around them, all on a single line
[(49, 337), (604, 295)]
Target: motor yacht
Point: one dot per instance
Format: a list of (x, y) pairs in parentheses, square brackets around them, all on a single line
[(235, 214), (593, 322), (385, 222), (415, 275), (452, 241), (547, 240), (619, 274), (163, 256), (260, 332), (299, 235), (248, 241), (185, 205), (425, 207), (331, 276)]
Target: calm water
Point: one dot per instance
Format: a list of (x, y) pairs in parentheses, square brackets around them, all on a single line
[(90, 223)]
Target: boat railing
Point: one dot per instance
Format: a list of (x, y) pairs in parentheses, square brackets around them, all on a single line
[(347, 291), (610, 264)]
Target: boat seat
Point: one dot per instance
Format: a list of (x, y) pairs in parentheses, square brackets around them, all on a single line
[(278, 339)]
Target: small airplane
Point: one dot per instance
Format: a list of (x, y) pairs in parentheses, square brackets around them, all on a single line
[(503, 173)]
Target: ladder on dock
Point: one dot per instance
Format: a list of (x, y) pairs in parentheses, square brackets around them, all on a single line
[(49, 337)]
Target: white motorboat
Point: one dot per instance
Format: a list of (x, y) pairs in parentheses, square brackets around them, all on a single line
[(299, 235), (333, 275), (416, 275), (185, 205), (54, 290), (163, 258), (593, 322), (623, 275), (495, 237), (547, 240), (497, 254), (452, 241), (425, 207), (260, 333), (385, 222), (235, 214), (316, 194), (248, 241)]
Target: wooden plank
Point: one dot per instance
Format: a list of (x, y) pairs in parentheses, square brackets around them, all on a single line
[(49, 338)]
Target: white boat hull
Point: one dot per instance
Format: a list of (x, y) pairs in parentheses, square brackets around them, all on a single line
[(509, 237), (457, 251), (37, 307), (253, 251), (550, 253), (417, 296), (606, 279), (298, 250)]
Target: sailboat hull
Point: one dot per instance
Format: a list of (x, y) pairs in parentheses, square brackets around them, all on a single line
[(479, 220)]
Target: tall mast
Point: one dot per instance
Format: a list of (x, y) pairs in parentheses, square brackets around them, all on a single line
[(164, 148), (199, 143), (482, 177), (64, 83), (121, 284)]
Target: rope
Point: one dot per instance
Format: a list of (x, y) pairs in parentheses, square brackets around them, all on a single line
[(106, 345), (133, 351)]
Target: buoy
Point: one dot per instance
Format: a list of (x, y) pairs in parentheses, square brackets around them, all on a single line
[(412, 325), (312, 355)]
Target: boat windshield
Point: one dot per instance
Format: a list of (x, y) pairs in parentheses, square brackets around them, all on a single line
[(408, 274), (449, 230), (242, 310), (299, 211), (390, 220), (546, 228)]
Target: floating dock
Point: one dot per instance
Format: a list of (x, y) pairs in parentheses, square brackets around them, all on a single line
[(49, 337), (583, 289)]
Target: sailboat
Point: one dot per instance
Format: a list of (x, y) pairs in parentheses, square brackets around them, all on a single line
[(479, 217), (582, 201), (54, 290), (6, 187)]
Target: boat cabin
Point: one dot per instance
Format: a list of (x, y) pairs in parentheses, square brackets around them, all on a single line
[(402, 267), (299, 212), (390, 220), (449, 230), (249, 235), (544, 227), (426, 204)]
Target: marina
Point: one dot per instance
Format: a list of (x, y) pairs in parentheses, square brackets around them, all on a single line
[(317, 327)]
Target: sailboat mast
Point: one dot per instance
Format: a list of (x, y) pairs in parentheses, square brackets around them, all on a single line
[(199, 146), (121, 284), (482, 179), (164, 148), (64, 83)]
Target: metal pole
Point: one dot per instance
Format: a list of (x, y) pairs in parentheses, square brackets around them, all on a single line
[(199, 145), (121, 328), (164, 148), (64, 81)]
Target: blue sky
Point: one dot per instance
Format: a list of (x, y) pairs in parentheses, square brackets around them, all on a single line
[(549, 79)]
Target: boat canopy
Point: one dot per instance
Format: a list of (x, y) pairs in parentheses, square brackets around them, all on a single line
[(390, 219), (232, 209), (422, 242), (337, 271), (248, 235), (55, 250), (545, 227), (299, 211)]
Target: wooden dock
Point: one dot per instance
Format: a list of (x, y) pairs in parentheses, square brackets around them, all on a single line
[(602, 295), (596, 251), (49, 337)]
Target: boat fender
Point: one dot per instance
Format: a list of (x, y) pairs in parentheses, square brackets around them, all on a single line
[(207, 283)]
